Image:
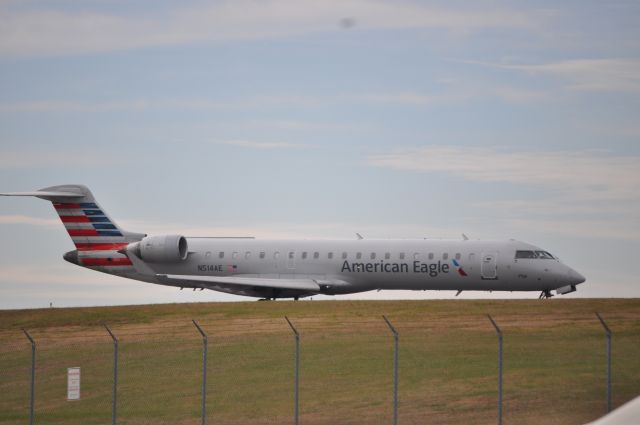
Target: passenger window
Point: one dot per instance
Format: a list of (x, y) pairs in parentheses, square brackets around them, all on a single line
[(344, 255), (247, 255), (234, 255), (316, 255), (401, 256), (304, 255), (373, 255), (292, 255), (445, 256), (431, 256), (358, 255), (458, 256), (208, 254), (387, 255), (276, 255), (221, 254), (262, 254), (416, 255), (330, 255)]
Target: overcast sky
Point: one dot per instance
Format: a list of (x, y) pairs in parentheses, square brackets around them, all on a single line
[(321, 119)]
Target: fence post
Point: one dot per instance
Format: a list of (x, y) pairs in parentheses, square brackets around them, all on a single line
[(608, 332), (297, 373), (499, 332), (395, 369), (33, 376), (114, 395), (204, 372)]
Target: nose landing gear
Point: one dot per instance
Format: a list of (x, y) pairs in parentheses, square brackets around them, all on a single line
[(545, 294)]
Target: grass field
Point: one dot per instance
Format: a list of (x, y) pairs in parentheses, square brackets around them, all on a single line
[(554, 372)]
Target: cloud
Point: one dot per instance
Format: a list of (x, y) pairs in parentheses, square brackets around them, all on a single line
[(24, 219), (262, 145), (618, 74), (25, 31), (455, 93), (593, 74), (302, 125), (405, 98), (260, 101), (581, 227), (53, 273), (48, 105), (288, 230), (265, 101), (70, 106), (589, 175), (566, 215), (145, 104), (44, 158), (565, 206), (585, 193), (450, 92)]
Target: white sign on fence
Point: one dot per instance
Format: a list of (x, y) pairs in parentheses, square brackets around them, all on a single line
[(73, 383)]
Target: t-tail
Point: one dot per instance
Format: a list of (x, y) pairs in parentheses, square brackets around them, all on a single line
[(96, 236)]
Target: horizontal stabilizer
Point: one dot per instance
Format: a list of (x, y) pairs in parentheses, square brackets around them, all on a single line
[(296, 284), (46, 195)]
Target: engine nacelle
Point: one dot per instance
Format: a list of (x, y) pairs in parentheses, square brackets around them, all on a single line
[(162, 249)]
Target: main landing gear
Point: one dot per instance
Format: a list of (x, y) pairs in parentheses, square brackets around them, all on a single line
[(273, 299), (545, 294)]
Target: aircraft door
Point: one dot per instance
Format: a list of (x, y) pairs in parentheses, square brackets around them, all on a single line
[(472, 261), (489, 266)]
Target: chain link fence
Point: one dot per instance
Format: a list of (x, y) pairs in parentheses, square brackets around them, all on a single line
[(368, 370)]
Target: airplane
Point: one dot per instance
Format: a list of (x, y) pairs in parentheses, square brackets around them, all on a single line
[(271, 269), (626, 414)]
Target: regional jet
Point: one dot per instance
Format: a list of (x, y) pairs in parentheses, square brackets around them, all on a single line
[(271, 269)]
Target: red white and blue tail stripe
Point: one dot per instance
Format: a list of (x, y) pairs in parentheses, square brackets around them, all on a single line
[(97, 238), (88, 226)]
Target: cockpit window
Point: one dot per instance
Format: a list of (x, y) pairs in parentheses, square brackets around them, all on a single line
[(545, 255), (526, 254)]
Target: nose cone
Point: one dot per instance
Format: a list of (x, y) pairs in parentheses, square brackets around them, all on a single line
[(71, 256), (575, 278)]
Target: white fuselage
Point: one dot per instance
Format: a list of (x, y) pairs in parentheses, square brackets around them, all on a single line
[(348, 266)]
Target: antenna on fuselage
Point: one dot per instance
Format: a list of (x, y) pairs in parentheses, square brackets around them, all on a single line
[(464, 237), (359, 236)]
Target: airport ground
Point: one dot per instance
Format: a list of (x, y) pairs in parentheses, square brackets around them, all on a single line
[(554, 362)]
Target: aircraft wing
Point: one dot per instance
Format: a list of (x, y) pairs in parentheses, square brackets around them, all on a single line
[(295, 284)]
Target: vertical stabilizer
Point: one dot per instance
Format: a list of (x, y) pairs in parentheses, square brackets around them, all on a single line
[(87, 223)]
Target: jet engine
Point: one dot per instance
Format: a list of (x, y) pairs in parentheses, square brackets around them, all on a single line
[(162, 249)]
